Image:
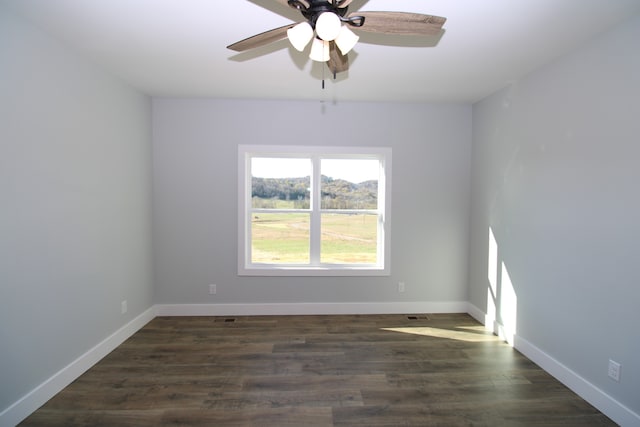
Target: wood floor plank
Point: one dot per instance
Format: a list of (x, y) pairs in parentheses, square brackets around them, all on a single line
[(78, 417), (267, 417), (364, 370), (285, 398)]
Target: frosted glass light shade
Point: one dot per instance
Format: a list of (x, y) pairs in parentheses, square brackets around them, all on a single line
[(300, 35), (346, 40), (319, 50), (328, 26)]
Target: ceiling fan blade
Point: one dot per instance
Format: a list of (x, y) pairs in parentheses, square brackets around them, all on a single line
[(286, 3), (344, 3), (261, 39), (400, 23), (337, 61)]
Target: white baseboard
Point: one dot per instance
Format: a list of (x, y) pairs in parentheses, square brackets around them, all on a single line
[(476, 313), (45, 391), (606, 404), (309, 308)]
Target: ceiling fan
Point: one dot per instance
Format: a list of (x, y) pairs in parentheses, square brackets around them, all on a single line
[(327, 26)]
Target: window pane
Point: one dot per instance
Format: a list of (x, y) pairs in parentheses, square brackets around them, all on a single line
[(280, 183), (280, 238), (349, 183), (349, 239)]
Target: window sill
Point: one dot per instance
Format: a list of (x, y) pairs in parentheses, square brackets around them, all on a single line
[(313, 271)]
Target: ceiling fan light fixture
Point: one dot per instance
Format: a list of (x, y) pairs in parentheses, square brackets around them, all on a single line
[(346, 40), (300, 35), (319, 50), (328, 26)]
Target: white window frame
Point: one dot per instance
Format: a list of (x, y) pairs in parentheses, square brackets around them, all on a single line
[(315, 268)]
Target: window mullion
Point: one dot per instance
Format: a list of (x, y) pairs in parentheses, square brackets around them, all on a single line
[(314, 233)]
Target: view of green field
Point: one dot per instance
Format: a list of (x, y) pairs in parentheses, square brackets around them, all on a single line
[(283, 238)]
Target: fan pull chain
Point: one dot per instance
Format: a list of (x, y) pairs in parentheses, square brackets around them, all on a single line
[(323, 72)]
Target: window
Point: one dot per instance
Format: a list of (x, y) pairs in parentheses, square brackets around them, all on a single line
[(313, 210)]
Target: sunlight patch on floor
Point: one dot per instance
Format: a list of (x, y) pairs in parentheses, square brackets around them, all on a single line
[(460, 333)]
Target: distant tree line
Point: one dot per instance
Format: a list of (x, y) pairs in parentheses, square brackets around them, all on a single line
[(335, 193)]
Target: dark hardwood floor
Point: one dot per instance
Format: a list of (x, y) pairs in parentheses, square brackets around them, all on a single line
[(379, 370)]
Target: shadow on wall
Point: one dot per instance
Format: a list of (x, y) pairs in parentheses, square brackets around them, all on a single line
[(502, 301)]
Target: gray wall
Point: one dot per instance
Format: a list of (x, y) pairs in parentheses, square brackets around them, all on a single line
[(75, 221), (195, 197), (555, 175)]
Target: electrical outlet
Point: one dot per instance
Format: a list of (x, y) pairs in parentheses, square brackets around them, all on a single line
[(400, 287), (123, 307), (614, 370), (213, 289)]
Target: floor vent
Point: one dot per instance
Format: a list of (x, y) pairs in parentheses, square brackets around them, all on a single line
[(421, 317), (229, 320)]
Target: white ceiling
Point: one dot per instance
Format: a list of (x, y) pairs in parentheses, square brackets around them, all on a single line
[(178, 47)]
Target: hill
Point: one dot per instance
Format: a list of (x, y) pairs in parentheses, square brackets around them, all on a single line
[(335, 193)]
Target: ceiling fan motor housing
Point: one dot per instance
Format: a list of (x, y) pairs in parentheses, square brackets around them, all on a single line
[(317, 7)]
